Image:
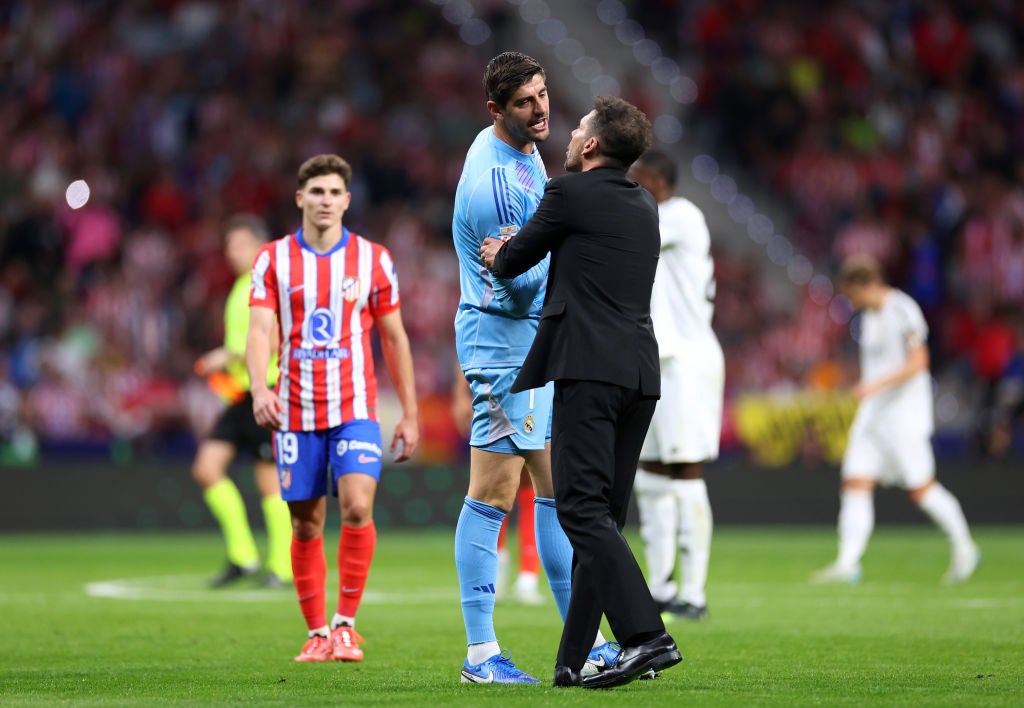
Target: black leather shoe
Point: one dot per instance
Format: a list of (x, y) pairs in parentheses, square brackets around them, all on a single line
[(566, 677), (659, 653)]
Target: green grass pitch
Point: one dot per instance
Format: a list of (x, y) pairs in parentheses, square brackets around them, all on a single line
[(126, 619)]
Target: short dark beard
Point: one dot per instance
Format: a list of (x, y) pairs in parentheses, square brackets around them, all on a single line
[(524, 136)]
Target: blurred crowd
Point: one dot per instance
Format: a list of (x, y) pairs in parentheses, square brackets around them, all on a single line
[(894, 128), (889, 127), (178, 115)]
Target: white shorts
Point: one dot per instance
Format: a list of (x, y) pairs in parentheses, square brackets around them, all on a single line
[(905, 461), (687, 423)]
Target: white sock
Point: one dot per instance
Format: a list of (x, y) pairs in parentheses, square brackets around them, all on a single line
[(658, 529), (526, 582), (339, 620), (324, 632), (695, 525), (482, 652), (599, 640), (501, 579), (945, 511), (856, 522)]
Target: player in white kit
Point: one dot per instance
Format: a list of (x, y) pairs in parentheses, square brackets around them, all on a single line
[(890, 439), (675, 514)]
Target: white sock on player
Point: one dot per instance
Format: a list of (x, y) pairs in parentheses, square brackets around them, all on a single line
[(339, 620), (477, 653), (695, 524), (856, 522), (659, 519), (501, 579), (944, 509)]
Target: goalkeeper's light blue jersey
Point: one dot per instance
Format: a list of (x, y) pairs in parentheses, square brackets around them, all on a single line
[(498, 192)]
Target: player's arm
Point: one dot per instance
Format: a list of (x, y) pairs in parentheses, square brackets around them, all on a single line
[(671, 343), (398, 359), (917, 361), (497, 210), (683, 231), (213, 361), (522, 290), (536, 239), (260, 342), (218, 359)]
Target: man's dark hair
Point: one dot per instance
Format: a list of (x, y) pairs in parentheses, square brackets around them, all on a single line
[(860, 269), (507, 72), (324, 165), (662, 164), (251, 223), (622, 131)]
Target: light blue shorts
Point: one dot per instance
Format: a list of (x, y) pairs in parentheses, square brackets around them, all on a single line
[(305, 458), (508, 422)]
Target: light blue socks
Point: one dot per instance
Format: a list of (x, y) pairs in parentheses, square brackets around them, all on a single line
[(554, 550), (476, 561)]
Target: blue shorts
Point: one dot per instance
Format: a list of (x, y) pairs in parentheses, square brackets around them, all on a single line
[(508, 422), (304, 459)]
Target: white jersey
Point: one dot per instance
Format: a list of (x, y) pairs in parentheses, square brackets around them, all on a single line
[(682, 302), (687, 421), (886, 336)]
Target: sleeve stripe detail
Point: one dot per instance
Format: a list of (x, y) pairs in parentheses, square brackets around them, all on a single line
[(500, 190), (259, 284)]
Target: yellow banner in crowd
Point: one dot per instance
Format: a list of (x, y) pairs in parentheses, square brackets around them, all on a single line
[(779, 429)]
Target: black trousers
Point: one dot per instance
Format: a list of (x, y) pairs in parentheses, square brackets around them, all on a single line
[(597, 432)]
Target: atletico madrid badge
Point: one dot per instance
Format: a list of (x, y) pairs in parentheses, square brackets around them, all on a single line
[(286, 477), (350, 289)]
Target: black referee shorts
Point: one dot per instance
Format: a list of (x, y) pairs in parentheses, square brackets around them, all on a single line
[(238, 427)]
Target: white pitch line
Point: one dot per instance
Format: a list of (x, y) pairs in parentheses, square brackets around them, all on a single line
[(875, 601), (192, 588), (182, 588), (988, 603)]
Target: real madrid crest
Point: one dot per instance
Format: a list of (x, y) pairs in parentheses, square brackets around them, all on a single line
[(528, 424)]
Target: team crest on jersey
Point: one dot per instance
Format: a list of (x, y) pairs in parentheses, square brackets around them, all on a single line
[(350, 289), (286, 477), (528, 424)]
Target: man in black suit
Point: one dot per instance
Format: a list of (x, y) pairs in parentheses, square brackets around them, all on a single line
[(596, 342)]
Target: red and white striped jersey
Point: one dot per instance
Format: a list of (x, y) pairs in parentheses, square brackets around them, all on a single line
[(326, 304)]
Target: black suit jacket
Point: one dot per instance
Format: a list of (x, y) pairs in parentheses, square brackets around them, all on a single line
[(602, 231)]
